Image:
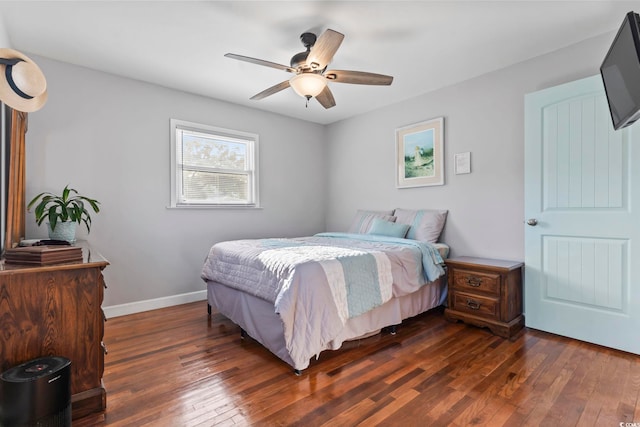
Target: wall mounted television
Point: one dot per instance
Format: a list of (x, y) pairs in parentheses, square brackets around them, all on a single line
[(620, 73)]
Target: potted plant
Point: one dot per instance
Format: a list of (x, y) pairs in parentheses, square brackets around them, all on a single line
[(64, 212)]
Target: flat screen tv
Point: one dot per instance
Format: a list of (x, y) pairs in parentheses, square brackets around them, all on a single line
[(620, 73)]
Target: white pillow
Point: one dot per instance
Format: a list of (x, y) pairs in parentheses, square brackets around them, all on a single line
[(426, 224), (362, 221)]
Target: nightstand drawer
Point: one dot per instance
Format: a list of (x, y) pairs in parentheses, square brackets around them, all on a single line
[(476, 281), (475, 304)]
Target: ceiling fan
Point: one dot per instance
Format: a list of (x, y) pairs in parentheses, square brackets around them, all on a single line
[(310, 69)]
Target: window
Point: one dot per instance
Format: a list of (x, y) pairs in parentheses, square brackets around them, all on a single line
[(213, 166)]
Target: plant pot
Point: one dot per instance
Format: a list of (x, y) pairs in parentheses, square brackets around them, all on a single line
[(64, 231)]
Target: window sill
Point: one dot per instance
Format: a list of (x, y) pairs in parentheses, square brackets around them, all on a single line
[(257, 207)]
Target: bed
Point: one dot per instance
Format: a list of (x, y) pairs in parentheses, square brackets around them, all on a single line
[(301, 296)]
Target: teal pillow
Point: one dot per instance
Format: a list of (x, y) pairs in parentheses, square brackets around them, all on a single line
[(381, 227)]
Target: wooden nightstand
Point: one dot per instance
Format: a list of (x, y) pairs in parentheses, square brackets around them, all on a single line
[(487, 293)]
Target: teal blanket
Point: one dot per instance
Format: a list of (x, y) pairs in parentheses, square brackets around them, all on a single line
[(431, 261)]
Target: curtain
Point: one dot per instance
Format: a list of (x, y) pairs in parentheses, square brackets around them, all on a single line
[(16, 180)]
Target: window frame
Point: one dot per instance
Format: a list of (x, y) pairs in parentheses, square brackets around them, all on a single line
[(252, 141)]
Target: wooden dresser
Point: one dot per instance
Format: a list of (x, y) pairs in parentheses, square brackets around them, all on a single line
[(487, 293), (56, 310)]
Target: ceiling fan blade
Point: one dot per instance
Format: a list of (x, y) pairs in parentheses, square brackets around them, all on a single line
[(358, 77), (326, 98), (324, 48), (260, 62), (270, 91)]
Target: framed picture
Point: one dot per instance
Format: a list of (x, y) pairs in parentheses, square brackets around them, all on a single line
[(420, 154)]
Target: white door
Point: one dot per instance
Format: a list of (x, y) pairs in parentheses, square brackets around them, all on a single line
[(582, 228)]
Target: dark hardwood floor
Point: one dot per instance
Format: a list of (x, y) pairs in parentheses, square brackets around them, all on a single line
[(178, 367)]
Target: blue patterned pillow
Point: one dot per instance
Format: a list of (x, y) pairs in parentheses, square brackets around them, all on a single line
[(426, 224), (363, 219)]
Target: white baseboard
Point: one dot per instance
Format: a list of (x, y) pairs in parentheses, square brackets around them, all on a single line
[(152, 304)]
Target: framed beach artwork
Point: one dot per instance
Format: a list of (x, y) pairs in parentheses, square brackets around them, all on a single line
[(420, 153)]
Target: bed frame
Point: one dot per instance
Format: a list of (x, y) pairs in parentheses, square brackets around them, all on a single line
[(257, 318)]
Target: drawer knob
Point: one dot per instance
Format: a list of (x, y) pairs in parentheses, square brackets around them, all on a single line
[(474, 305), (474, 281)]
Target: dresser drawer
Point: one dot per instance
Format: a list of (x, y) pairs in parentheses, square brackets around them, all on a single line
[(476, 304), (476, 281)]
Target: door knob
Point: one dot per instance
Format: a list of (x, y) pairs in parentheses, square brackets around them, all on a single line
[(532, 222)]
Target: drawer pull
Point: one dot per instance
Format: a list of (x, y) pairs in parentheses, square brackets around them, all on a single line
[(104, 347), (474, 305), (474, 281)]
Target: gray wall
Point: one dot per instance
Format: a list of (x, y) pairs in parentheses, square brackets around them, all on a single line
[(4, 36), (485, 116), (109, 138)]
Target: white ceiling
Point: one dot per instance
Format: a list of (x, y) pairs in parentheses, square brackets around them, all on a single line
[(425, 45)]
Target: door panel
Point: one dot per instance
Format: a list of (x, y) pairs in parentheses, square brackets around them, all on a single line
[(580, 278), (585, 272), (578, 172)]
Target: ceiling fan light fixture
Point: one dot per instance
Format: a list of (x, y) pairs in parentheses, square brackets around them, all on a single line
[(310, 78), (308, 84)]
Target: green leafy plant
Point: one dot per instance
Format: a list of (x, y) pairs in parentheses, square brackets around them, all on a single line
[(70, 206)]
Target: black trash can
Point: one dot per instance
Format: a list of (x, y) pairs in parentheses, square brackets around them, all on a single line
[(36, 393)]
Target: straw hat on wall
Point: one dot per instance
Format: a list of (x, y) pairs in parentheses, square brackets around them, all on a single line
[(23, 86)]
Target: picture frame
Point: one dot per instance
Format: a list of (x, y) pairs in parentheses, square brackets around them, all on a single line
[(420, 154)]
